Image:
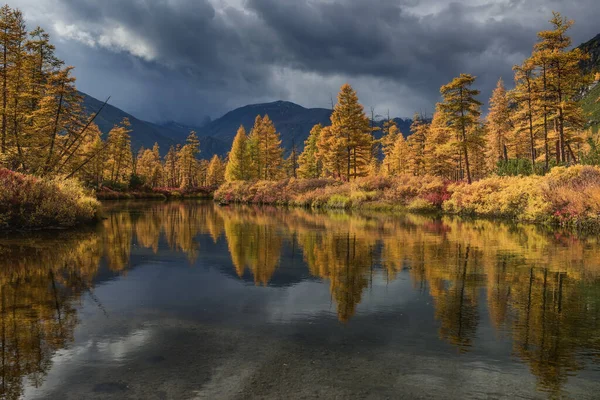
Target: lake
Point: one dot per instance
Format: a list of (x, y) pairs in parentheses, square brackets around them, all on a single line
[(190, 300)]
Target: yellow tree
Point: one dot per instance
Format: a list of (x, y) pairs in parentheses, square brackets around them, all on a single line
[(13, 39), (237, 164), (416, 145), (265, 149), (95, 150), (527, 109), (120, 159), (440, 148), (352, 131), (291, 163), (202, 173), (498, 125), (215, 175), (477, 145), (149, 167), (187, 161), (399, 157), (462, 112), (388, 141), (331, 152), (563, 80), (171, 168), (309, 163)]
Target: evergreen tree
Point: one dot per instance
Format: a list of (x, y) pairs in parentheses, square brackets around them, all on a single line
[(352, 131), (188, 164), (388, 142), (527, 111), (237, 166), (120, 162), (440, 148), (149, 167), (499, 125), (563, 80), (291, 163), (309, 163), (416, 145), (399, 157), (171, 173), (331, 152), (265, 149), (462, 111), (216, 172)]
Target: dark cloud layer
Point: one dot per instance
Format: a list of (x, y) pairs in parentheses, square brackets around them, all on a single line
[(184, 59)]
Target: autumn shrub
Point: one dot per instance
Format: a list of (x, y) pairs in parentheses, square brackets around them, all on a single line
[(339, 201), (106, 193), (519, 198), (27, 202), (422, 205), (371, 183), (574, 194), (285, 191), (270, 192), (568, 196), (404, 189)]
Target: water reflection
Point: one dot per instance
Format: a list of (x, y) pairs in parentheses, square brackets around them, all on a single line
[(540, 289)]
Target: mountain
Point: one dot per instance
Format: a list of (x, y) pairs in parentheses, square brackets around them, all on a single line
[(591, 47), (590, 103), (291, 120), (145, 134)]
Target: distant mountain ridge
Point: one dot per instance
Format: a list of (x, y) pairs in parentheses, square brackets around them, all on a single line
[(291, 120), (145, 134)]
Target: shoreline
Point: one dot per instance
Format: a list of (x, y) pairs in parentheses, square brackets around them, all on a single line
[(565, 198)]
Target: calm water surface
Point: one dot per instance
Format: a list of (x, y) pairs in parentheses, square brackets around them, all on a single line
[(194, 301)]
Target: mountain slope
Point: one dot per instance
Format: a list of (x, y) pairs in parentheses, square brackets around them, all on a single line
[(292, 121), (591, 47), (143, 133), (590, 103), (591, 107)]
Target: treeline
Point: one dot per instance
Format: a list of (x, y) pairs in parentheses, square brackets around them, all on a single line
[(537, 125)]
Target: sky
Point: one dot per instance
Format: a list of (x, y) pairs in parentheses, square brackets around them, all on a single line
[(183, 60)]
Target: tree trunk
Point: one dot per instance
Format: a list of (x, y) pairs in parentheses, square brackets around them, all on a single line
[(54, 130), (4, 92), (546, 147)]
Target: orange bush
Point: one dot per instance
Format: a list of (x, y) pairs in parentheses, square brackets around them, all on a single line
[(27, 202)]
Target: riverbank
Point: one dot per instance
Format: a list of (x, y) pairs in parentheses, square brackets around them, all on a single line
[(156, 194), (28, 202), (568, 197)]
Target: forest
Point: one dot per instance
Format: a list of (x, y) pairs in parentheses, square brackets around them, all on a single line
[(534, 136)]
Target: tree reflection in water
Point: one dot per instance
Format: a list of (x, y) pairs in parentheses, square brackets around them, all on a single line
[(543, 289)]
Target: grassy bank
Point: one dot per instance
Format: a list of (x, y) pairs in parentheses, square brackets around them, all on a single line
[(566, 196), (27, 202), (156, 194)]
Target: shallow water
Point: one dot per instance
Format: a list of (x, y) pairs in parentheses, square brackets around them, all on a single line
[(191, 300)]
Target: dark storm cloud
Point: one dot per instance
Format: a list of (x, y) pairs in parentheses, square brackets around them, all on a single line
[(183, 59)]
